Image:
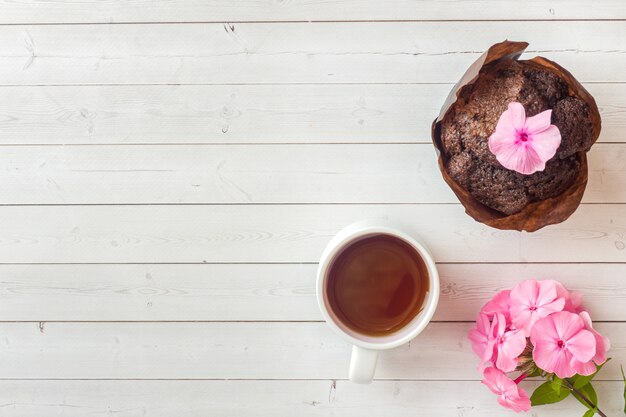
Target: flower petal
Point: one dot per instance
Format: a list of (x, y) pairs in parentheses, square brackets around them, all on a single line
[(500, 141), (515, 343), (564, 368), (508, 351), (553, 307), (500, 303), (525, 291), (498, 325), (498, 382), (494, 380), (582, 345), (575, 301), (567, 324), (509, 394), (517, 403), (479, 342), (506, 363), (583, 368), (479, 335), (504, 131), (538, 123), (544, 331), (552, 359), (488, 354), (546, 143), (520, 157), (602, 343), (524, 145), (522, 403), (516, 115), (547, 301), (502, 400), (546, 292), (523, 318)]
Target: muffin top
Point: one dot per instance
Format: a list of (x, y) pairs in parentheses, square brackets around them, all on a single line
[(472, 119)]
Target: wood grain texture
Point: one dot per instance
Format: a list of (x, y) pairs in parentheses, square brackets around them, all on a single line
[(28, 12), (295, 52), (275, 398), (287, 233), (393, 173), (181, 114), (237, 350), (257, 292), (183, 268)]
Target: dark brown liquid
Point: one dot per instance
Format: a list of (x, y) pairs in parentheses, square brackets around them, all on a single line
[(377, 285)]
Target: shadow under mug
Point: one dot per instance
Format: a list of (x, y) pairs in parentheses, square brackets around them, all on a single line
[(365, 347)]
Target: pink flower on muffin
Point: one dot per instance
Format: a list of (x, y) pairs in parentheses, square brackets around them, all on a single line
[(524, 144)]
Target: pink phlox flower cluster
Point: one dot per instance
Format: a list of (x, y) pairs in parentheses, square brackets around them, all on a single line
[(543, 322)]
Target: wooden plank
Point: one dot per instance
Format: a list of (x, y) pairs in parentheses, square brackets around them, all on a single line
[(252, 292), (180, 114), (275, 398), (227, 174), (237, 350), (233, 11), (252, 174), (294, 52), (287, 233)]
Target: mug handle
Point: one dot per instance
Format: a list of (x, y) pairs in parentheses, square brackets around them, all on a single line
[(362, 365)]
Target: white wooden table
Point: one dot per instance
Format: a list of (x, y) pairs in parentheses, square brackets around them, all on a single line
[(170, 172)]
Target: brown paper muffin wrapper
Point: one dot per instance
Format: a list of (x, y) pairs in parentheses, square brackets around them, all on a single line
[(540, 213)]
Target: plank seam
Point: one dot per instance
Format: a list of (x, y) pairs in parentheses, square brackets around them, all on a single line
[(254, 204), (250, 84), (227, 321), (306, 263), (300, 21), (266, 379), (181, 144)]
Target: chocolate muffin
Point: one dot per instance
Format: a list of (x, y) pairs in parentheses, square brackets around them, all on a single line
[(473, 117)]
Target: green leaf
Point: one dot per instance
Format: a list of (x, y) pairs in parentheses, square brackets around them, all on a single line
[(588, 392), (580, 380), (624, 376), (536, 372), (556, 384), (544, 394), (589, 413)]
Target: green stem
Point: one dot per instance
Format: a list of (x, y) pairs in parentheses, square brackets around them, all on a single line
[(584, 398)]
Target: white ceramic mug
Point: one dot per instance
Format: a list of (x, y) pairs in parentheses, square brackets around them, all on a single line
[(365, 348)]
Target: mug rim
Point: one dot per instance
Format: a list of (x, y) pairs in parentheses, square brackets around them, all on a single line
[(341, 241)]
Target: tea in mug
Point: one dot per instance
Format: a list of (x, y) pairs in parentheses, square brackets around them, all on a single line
[(377, 285)]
